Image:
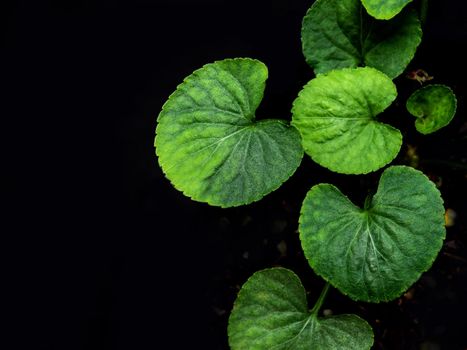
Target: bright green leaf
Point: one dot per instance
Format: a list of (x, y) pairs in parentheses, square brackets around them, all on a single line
[(376, 253), (384, 9), (434, 106), (271, 313), (340, 34), (336, 116), (210, 146)]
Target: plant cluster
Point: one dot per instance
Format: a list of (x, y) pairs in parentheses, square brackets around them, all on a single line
[(212, 148)]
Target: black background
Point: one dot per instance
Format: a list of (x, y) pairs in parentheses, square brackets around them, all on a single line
[(100, 251)]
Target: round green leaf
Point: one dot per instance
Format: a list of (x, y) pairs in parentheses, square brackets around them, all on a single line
[(374, 254), (340, 34), (271, 313), (209, 144), (434, 106), (336, 116), (384, 9)]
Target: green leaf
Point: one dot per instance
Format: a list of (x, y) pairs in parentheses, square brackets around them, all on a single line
[(271, 313), (340, 34), (210, 146), (434, 106), (376, 253), (384, 9), (336, 116)]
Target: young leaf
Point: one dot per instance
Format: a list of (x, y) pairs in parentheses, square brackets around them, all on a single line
[(340, 34), (434, 106), (336, 116), (271, 313), (376, 253), (384, 9), (209, 144)]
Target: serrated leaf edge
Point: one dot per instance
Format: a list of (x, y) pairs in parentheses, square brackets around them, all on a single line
[(385, 17), (252, 122), (370, 119), (419, 91), (336, 285), (310, 317)]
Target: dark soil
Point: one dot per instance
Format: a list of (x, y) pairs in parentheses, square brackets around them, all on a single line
[(103, 253)]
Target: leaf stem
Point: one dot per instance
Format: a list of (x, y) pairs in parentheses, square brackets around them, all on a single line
[(423, 11), (368, 199), (320, 300)]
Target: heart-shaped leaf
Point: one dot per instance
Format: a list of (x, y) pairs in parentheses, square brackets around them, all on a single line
[(271, 313), (384, 9), (336, 116), (434, 106), (340, 34), (209, 144), (376, 253)]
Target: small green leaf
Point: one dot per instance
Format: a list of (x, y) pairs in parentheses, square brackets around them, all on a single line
[(434, 106), (209, 144), (340, 34), (336, 116), (376, 253), (384, 9), (271, 313)]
